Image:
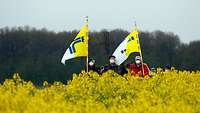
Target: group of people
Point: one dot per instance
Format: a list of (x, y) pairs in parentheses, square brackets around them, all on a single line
[(137, 69)]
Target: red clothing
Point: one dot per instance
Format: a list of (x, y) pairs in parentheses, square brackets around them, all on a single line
[(138, 70)]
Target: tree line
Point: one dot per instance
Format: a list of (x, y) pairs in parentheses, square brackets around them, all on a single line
[(36, 53)]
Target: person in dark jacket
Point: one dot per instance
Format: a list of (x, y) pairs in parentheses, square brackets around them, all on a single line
[(167, 68), (112, 65), (92, 66)]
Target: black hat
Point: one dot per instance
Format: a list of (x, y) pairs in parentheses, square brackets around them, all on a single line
[(111, 57), (90, 59)]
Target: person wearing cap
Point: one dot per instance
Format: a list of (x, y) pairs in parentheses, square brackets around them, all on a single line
[(92, 66), (167, 68), (136, 68), (112, 65)]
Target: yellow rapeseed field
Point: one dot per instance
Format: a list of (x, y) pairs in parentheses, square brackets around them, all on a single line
[(165, 92)]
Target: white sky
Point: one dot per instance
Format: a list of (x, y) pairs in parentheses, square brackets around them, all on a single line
[(179, 16)]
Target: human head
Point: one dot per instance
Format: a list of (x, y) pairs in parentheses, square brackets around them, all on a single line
[(138, 60), (112, 60), (92, 62)]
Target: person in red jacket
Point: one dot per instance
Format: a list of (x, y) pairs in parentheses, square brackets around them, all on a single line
[(136, 68)]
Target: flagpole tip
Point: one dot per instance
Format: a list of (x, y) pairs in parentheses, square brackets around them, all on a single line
[(86, 17), (135, 26), (135, 23), (86, 20)]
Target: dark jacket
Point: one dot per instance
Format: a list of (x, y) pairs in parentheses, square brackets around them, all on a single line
[(94, 68), (123, 70), (118, 69)]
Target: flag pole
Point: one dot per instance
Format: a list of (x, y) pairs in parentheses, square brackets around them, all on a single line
[(86, 23), (140, 50)]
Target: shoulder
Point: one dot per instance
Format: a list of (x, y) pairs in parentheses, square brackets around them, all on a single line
[(145, 65), (132, 65), (106, 66)]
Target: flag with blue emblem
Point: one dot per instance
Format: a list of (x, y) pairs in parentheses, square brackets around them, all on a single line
[(79, 46), (129, 45)]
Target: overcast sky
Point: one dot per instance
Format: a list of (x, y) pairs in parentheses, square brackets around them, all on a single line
[(179, 16)]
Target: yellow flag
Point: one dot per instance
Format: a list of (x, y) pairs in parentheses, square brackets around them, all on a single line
[(81, 43), (79, 47), (129, 45), (133, 44)]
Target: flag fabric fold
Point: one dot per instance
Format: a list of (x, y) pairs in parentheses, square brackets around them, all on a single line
[(79, 46)]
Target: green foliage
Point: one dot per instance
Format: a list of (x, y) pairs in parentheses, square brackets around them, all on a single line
[(36, 54)]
